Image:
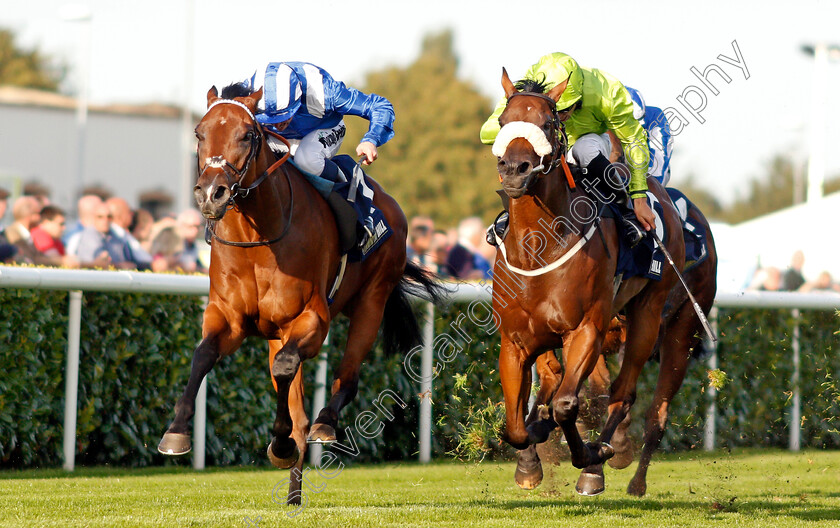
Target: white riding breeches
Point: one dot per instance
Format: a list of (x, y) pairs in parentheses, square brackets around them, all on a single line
[(312, 149), (587, 147)]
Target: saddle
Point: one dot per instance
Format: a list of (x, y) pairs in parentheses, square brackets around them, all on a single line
[(352, 205)]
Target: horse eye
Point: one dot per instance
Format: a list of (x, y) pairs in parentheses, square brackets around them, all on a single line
[(249, 136)]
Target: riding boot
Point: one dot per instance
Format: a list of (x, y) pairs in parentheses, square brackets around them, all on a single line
[(498, 229), (500, 224), (334, 173), (595, 182), (631, 228)]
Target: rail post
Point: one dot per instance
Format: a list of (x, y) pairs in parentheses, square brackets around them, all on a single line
[(319, 398), (426, 376), (71, 383), (796, 402), (710, 429)]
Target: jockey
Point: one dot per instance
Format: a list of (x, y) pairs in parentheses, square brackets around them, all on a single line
[(593, 103), (307, 105), (660, 142)]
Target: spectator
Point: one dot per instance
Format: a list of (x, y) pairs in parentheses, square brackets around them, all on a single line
[(97, 243), (420, 241), (122, 219), (7, 250), (26, 212), (4, 202), (46, 237), (440, 252), (167, 247), (189, 225), (824, 283), (766, 279), (141, 228), (86, 211), (792, 278), (464, 260)]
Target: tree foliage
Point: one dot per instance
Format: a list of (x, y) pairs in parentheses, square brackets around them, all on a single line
[(435, 164), (26, 68)]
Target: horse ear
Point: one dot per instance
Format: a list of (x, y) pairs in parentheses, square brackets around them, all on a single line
[(507, 85), (252, 100), (212, 95), (558, 90)]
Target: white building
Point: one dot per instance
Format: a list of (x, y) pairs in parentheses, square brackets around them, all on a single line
[(771, 240), (135, 152)]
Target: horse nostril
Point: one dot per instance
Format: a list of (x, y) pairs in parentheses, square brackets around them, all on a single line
[(220, 194), (524, 168)]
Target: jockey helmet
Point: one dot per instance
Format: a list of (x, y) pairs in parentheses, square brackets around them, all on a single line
[(638, 103), (557, 67), (281, 94)]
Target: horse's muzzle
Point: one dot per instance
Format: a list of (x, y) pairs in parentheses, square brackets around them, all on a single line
[(516, 187), (517, 176), (212, 200)]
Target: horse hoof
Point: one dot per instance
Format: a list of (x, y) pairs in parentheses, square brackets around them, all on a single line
[(622, 458), (637, 490), (590, 484), (283, 463), (174, 444), (321, 434), (528, 480), (600, 452)]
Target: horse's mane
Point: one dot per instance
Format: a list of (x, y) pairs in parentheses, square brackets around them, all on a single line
[(532, 85), (239, 89)]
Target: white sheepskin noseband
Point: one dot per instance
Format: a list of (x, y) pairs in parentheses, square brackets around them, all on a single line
[(521, 129)]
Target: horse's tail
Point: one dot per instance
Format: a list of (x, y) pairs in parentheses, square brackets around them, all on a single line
[(400, 330)]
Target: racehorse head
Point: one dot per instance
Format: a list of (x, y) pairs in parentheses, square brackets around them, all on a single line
[(528, 143), (229, 141)]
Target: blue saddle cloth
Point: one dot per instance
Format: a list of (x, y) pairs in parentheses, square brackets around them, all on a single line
[(360, 196), (694, 234), (646, 260)]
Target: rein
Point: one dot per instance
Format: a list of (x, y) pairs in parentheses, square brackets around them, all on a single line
[(237, 189), (557, 156)]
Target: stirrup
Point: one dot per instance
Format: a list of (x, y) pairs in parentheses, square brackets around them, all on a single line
[(633, 231), (498, 229), (367, 232)]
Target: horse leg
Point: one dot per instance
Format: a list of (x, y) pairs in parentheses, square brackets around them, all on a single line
[(515, 374), (581, 351), (675, 353), (529, 472), (365, 319), (218, 341), (598, 394), (643, 321), (306, 333), (300, 425)]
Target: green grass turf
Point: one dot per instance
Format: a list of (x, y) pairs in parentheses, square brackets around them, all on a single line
[(748, 488)]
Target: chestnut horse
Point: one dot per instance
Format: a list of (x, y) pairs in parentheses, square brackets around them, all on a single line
[(565, 295), (680, 332), (274, 258)]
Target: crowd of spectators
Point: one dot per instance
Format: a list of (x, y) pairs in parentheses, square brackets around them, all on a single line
[(771, 278), (460, 253), (107, 233)]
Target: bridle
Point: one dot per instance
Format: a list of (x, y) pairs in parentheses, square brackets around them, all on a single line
[(237, 189), (557, 139)]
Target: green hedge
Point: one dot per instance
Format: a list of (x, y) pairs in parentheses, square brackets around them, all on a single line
[(136, 352)]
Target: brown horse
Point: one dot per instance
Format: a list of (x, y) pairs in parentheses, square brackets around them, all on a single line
[(570, 305), (680, 332), (274, 258)]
